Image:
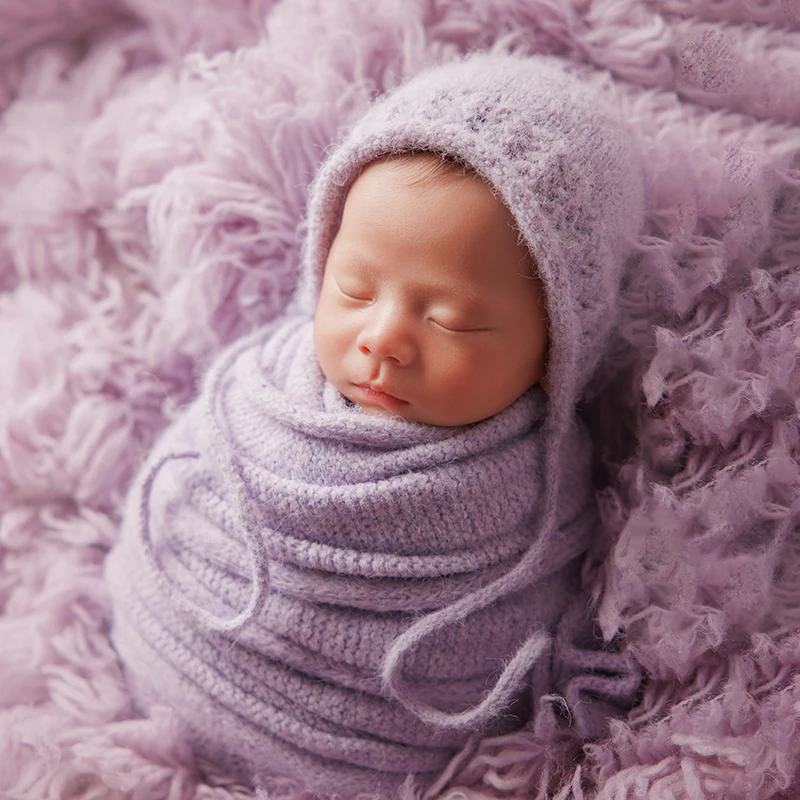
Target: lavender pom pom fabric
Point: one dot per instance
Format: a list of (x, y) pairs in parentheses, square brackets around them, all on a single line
[(155, 161)]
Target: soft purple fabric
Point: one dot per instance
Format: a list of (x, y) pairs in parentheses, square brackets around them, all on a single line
[(364, 524), (423, 542), (150, 213)]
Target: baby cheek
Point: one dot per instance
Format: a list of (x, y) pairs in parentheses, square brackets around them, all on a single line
[(327, 336), (337, 337), (463, 368), (345, 328)]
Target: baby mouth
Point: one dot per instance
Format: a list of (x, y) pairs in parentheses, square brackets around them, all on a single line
[(375, 395)]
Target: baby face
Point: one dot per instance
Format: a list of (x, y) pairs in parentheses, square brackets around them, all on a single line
[(429, 309)]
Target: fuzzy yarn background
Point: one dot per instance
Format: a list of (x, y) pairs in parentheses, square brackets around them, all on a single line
[(152, 187)]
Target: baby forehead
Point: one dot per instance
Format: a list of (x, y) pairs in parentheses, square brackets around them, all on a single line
[(440, 231), (407, 185), (432, 208)]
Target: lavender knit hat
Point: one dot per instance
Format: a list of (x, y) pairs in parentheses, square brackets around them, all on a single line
[(555, 154)]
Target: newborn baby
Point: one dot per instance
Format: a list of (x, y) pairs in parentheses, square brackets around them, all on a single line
[(350, 553)]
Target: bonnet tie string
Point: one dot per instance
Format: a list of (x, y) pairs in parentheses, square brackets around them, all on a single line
[(535, 562), (259, 563)]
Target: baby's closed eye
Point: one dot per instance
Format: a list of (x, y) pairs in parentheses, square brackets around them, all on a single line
[(455, 327), (355, 292)]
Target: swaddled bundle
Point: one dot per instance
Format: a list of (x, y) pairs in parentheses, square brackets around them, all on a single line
[(345, 598)]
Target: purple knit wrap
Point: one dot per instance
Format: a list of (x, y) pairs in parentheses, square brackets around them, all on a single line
[(365, 523), (345, 598)]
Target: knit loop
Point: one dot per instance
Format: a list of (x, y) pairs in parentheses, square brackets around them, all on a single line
[(221, 452), (200, 616), (498, 700)]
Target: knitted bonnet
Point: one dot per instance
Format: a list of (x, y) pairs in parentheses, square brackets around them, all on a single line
[(549, 148)]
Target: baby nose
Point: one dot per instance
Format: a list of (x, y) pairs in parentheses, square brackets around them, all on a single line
[(387, 336)]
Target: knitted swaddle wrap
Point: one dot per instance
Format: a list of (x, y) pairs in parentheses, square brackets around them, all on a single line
[(367, 522), (345, 598)]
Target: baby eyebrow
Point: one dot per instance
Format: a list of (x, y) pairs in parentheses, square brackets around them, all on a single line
[(469, 309), (468, 303)]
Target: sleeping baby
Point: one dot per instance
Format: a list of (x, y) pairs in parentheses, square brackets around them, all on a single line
[(349, 554)]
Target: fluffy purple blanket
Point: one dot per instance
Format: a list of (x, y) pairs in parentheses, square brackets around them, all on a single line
[(153, 183)]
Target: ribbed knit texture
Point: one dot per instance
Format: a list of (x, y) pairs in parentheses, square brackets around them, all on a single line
[(296, 577)]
